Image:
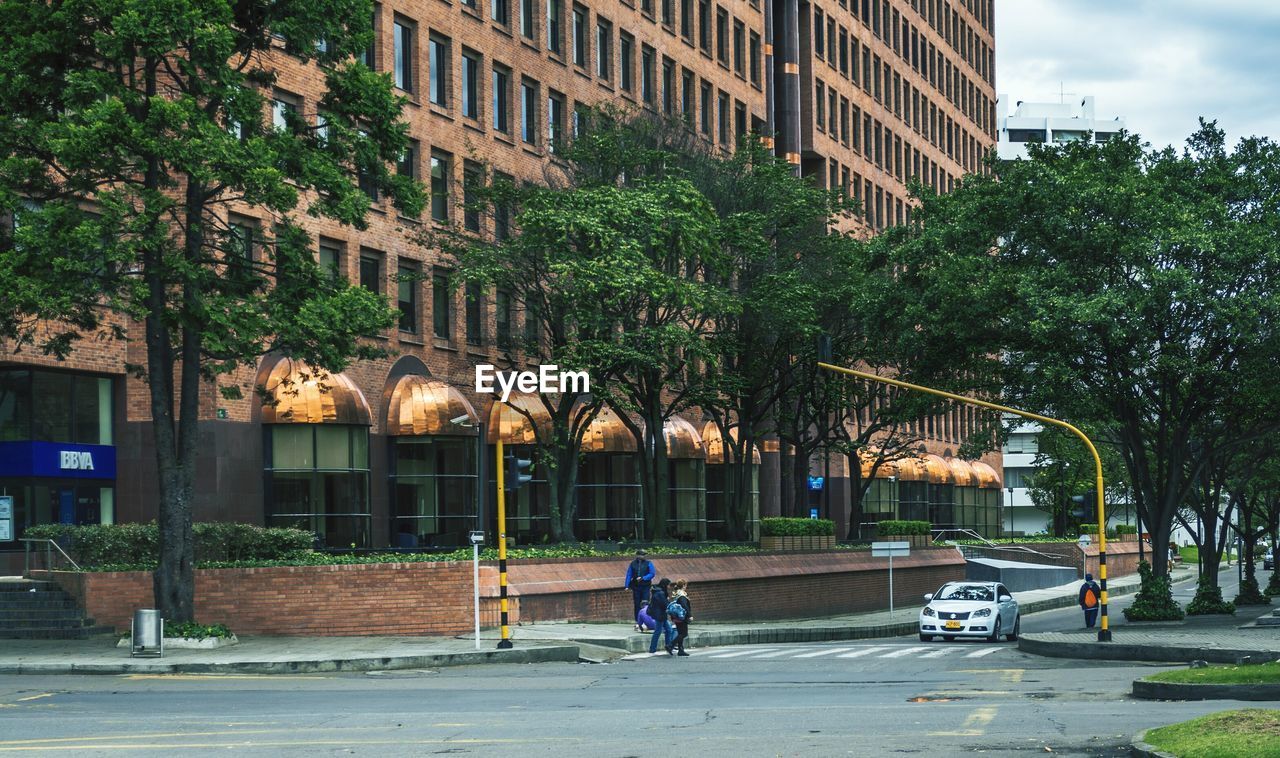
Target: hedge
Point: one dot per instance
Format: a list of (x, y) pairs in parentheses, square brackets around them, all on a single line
[(139, 544), (773, 526), (902, 527), (1126, 529)]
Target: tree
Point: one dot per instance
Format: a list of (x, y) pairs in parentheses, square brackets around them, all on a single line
[(1139, 282), (130, 131), (1064, 469)]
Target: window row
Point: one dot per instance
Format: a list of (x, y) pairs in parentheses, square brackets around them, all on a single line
[(956, 425)]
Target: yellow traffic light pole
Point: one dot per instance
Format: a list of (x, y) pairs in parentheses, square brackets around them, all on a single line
[(1104, 633), (505, 642)]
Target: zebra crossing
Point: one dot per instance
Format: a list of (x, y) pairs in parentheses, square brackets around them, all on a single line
[(864, 652)]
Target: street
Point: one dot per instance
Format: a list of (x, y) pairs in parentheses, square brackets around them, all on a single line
[(852, 698)]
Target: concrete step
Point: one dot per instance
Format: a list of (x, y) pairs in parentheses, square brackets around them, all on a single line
[(26, 585), (53, 633), (30, 605), (70, 622), (28, 596), (53, 614)]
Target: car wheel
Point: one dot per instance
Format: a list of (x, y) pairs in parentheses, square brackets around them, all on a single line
[(995, 631), (926, 638), (1017, 627)]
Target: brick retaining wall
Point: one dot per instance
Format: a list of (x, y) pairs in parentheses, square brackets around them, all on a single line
[(436, 598)]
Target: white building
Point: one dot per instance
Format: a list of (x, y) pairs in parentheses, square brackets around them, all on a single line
[(1054, 123)]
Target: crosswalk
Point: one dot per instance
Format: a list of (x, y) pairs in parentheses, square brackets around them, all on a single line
[(865, 652)]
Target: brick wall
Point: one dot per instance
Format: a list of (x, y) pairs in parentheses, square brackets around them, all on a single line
[(436, 598)]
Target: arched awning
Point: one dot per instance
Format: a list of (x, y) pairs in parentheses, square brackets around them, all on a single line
[(420, 406), (867, 459), (939, 471), (912, 470), (988, 478), (962, 473), (301, 394), (607, 434), (683, 440), (717, 451), (508, 423)]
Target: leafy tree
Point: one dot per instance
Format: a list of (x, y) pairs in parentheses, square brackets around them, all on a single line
[(1064, 468), (130, 131)]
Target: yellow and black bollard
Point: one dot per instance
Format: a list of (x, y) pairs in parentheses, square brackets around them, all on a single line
[(505, 642)]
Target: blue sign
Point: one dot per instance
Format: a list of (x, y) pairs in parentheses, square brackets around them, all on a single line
[(61, 460), (813, 513), (816, 483)]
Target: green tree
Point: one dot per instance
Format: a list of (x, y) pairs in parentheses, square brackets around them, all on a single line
[(1064, 469), (130, 131)]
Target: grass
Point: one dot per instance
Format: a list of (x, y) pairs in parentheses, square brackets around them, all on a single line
[(1264, 673), (1191, 554), (1226, 734)]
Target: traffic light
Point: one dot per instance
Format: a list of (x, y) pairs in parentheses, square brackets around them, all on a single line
[(1084, 507), (515, 478)]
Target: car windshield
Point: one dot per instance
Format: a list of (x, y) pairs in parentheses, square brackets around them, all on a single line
[(966, 592)]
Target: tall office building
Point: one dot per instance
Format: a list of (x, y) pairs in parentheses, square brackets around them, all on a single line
[(858, 94)]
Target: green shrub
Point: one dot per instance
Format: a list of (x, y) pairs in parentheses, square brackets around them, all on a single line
[(902, 527), (1126, 529), (774, 526), (1273, 584), (1091, 529), (1154, 601), (193, 630), (1250, 594), (138, 545), (1208, 600)]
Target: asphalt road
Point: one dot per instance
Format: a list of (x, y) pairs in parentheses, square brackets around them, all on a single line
[(860, 699)]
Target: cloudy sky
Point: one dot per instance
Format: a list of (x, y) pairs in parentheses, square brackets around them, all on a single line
[(1159, 64)]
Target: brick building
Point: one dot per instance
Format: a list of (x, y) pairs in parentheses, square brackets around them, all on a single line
[(859, 94)]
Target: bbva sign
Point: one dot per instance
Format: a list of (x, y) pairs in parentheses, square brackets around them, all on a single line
[(74, 460)]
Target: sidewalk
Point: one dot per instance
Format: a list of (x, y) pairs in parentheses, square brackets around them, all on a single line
[(533, 643)]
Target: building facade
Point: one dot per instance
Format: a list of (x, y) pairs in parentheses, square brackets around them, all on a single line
[(858, 94), (1051, 124)]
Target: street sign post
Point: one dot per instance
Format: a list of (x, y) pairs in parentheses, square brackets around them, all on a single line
[(477, 539), (889, 550)]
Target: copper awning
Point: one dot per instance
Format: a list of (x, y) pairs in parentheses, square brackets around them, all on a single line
[(867, 458), (420, 406), (607, 434), (301, 394), (683, 440), (939, 471), (988, 478), (717, 451), (962, 473), (519, 420)]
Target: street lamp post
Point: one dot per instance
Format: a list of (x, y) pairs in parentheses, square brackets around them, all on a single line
[(1010, 515)]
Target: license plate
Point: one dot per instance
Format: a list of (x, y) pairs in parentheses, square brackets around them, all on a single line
[(953, 625)]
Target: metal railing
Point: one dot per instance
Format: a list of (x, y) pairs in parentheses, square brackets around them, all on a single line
[(49, 547), (938, 537)]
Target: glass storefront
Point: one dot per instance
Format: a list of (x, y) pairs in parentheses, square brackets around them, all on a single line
[(720, 488), (687, 510), (608, 495), (528, 508), (433, 484), (317, 479)]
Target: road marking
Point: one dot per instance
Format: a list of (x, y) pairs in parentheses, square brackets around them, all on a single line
[(975, 725), (34, 697), (828, 651), (863, 651), (985, 651), (939, 652), (732, 654), (1013, 675), (775, 653), (903, 651), (207, 677), (287, 744)]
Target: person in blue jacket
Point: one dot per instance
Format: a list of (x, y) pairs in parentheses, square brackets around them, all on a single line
[(658, 608), (639, 579)]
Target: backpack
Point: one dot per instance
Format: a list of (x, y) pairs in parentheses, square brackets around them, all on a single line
[(675, 610), (1090, 599)]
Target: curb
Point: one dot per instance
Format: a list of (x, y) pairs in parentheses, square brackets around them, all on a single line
[(1148, 690), (1112, 651), (543, 654), (1140, 749)]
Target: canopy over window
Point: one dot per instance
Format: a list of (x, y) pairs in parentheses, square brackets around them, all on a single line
[(420, 406), (962, 472), (518, 421), (988, 478), (683, 440), (867, 458), (913, 470), (301, 394), (939, 471), (607, 434), (717, 451)]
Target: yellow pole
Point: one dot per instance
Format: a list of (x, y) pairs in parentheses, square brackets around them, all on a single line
[(505, 642), (1104, 633)]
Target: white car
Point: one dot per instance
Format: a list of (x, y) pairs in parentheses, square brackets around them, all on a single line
[(970, 609)]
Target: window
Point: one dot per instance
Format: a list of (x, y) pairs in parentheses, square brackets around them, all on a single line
[(580, 41), (739, 48), (318, 481), (722, 121), (626, 53), (502, 213), (604, 52), (240, 241), (371, 272), (284, 109), (527, 19), (646, 74), (686, 19), (500, 12), (330, 259), (704, 24), (501, 100), (739, 121), (555, 121), (403, 40), (819, 44), (532, 326), (502, 318), (820, 100), (755, 59), (687, 94), (470, 4), (529, 112), (553, 26), (439, 71), (439, 186), (441, 305), (705, 106), (472, 181), (367, 180), (722, 36), (668, 86), (470, 84), (669, 13), (407, 299), (475, 315)]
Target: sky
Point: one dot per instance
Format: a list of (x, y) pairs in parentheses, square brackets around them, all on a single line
[(1158, 64)]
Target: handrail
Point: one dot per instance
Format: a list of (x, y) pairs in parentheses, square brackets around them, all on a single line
[(48, 561), (988, 544)]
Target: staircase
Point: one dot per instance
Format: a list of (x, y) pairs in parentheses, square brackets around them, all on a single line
[(42, 611)]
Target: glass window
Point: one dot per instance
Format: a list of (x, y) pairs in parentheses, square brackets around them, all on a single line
[(15, 405), (500, 12), (646, 74), (553, 25), (580, 41), (501, 96), (555, 121), (472, 181), (626, 76), (529, 112), (407, 299), (475, 315), (470, 85), (331, 259), (408, 164), (527, 19), (439, 71), (441, 305), (403, 72), (433, 491), (370, 273), (502, 305), (51, 406), (439, 187), (318, 480), (604, 33)]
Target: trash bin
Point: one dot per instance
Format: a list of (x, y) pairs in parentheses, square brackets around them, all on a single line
[(148, 633)]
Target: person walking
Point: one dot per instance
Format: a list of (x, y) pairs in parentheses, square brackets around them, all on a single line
[(680, 613), (640, 574), (658, 600), (1090, 598)]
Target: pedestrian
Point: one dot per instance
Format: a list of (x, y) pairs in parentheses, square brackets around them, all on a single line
[(1090, 598), (680, 613), (658, 599), (645, 621), (639, 578)]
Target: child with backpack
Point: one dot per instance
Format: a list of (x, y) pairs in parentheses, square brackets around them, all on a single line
[(1090, 600), (680, 613)]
